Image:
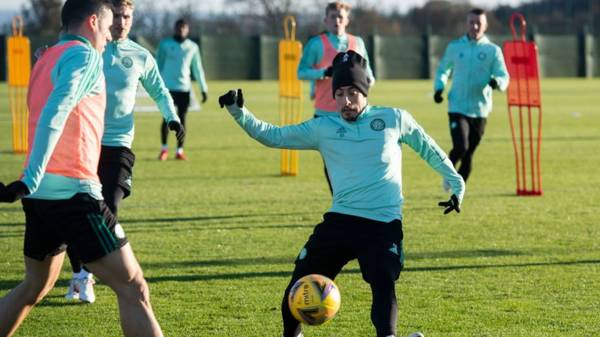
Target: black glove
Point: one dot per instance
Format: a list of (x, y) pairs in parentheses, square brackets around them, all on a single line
[(204, 96), (451, 205), (232, 97), (437, 97), (178, 128), (493, 84), (328, 72), (13, 192)]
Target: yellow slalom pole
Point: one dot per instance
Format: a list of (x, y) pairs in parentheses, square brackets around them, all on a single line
[(19, 68), (290, 90)]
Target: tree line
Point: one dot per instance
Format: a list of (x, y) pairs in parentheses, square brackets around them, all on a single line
[(264, 17)]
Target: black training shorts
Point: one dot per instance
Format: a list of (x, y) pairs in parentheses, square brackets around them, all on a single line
[(82, 222), (115, 170), (341, 238), (181, 99)]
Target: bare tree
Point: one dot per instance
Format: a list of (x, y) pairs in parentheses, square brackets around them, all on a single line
[(42, 17), (269, 12)]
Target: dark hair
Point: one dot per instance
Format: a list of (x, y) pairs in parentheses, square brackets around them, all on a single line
[(74, 12), (181, 22), (477, 11)]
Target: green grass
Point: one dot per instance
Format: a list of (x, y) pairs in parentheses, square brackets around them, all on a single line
[(217, 235)]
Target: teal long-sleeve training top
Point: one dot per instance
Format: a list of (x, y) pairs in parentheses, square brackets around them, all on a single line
[(126, 64), (364, 157), (471, 65), (176, 61)]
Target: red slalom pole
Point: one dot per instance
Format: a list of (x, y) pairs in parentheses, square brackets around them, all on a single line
[(524, 94)]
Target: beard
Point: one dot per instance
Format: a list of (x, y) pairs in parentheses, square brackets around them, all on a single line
[(350, 114), (179, 38)]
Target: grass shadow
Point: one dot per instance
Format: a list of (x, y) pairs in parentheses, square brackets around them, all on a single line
[(223, 262), (207, 218), (464, 253), (269, 274)]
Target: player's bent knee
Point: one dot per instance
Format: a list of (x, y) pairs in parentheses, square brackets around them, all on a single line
[(136, 290), (35, 291), (382, 278)]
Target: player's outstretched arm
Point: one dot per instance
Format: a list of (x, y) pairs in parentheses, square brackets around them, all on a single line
[(13, 192), (299, 136), (412, 134)]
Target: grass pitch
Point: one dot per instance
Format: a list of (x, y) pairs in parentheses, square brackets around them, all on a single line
[(217, 235)]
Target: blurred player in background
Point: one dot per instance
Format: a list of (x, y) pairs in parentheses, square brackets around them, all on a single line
[(178, 58), (477, 67)]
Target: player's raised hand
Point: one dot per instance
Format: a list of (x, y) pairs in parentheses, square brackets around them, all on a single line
[(451, 205), (437, 97), (178, 128), (231, 97), (13, 192)]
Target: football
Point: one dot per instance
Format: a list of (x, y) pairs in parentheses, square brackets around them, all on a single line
[(314, 299)]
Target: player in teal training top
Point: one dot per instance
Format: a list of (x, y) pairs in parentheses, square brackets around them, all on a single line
[(60, 187), (126, 65), (317, 55), (363, 151), (476, 67), (179, 57)]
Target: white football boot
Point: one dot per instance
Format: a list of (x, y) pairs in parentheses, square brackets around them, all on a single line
[(416, 334), (85, 286)]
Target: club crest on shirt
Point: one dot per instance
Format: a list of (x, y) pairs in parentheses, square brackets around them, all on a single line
[(341, 132), (482, 56), (377, 124), (127, 62)]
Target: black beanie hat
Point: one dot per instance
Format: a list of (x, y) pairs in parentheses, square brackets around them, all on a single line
[(349, 68)]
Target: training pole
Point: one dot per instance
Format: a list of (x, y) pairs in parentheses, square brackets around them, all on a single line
[(290, 90), (524, 108), (19, 68)]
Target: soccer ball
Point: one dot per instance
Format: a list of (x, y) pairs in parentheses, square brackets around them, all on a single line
[(314, 299)]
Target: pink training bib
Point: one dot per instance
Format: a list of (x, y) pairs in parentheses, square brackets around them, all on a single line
[(323, 95), (77, 152)]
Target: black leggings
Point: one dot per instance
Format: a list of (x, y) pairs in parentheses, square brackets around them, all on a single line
[(182, 102), (341, 238), (466, 134)]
